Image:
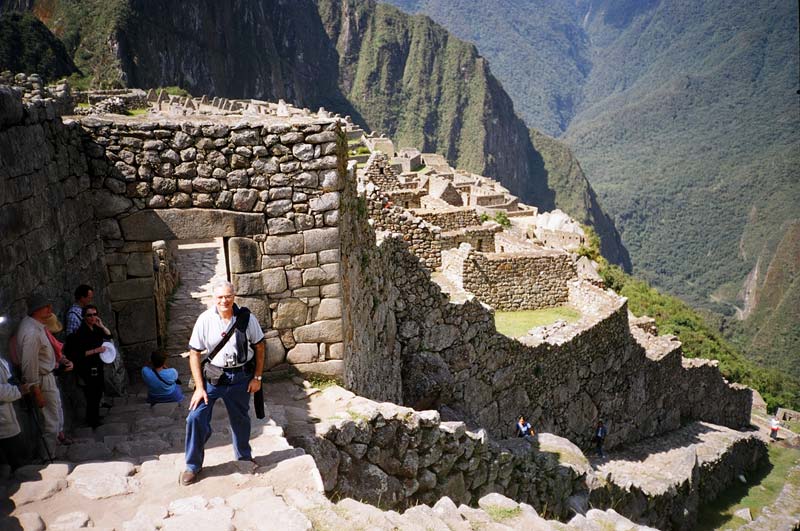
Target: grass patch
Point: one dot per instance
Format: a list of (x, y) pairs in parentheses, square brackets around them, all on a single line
[(499, 514), (761, 490), (516, 324), (793, 425), (137, 112), (321, 382)]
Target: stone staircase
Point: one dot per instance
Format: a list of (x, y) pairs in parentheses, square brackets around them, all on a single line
[(124, 477)]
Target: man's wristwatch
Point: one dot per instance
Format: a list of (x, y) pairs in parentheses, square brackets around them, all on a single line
[(257, 378)]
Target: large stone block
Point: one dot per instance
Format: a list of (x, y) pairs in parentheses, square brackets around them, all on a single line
[(290, 313), (320, 332), (136, 322), (247, 283), (303, 353), (289, 244), (321, 239), (190, 223), (328, 309), (330, 368), (275, 354), (273, 280), (107, 204), (327, 201), (259, 307), (244, 255), (136, 288), (140, 264)]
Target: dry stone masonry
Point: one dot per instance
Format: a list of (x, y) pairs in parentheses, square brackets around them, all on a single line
[(271, 188), (337, 264)]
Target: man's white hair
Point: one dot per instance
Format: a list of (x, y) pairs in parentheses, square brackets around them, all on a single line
[(221, 284)]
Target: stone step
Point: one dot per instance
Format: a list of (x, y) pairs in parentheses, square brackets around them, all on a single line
[(661, 481)]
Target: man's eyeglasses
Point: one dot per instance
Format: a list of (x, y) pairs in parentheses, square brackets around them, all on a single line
[(91, 315)]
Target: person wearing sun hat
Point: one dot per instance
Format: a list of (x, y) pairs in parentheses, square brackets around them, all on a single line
[(38, 361)]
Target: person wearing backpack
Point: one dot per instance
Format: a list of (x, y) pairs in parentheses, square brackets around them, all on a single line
[(163, 384), (231, 371)]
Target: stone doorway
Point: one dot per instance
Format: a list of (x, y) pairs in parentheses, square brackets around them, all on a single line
[(199, 264)]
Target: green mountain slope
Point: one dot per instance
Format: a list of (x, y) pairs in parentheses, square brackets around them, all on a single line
[(684, 116), (26, 45), (394, 73)]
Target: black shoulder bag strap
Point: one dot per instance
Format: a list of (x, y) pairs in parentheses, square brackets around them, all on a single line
[(225, 337)]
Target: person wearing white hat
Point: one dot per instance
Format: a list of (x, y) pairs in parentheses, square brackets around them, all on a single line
[(85, 347)]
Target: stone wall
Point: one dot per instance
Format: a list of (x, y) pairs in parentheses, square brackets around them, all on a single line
[(695, 465), (479, 237), (48, 241), (395, 457), (558, 239), (511, 282), (451, 218), (271, 187), (449, 356), (372, 364), (166, 280), (422, 237)]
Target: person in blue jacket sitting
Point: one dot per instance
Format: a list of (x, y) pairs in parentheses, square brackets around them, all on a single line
[(162, 382)]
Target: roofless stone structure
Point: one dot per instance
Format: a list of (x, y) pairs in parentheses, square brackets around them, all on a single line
[(341, 278)]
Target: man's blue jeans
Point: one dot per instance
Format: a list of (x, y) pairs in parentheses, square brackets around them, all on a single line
[(198, 423)]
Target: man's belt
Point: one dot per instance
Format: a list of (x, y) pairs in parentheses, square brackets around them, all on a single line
[(238, 368)]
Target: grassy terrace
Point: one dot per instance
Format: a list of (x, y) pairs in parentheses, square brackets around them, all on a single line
[(516, 324), (759, 491)]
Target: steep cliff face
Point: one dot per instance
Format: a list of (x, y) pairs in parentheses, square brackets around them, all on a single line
[(394, 73), (410, 78), (575, 196), (26, 45)]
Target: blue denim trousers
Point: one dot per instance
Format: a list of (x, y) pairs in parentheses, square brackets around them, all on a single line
[(198, 423)]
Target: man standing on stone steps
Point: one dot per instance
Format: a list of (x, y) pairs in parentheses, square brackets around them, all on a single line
[(233, 373)]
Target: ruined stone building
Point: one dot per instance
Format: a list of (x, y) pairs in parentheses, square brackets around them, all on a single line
[(384, 276)]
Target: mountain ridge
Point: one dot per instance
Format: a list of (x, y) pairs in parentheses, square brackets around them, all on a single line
[(391, 72), (685, 118)]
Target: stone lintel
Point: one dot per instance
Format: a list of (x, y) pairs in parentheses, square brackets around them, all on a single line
[(189, 223)]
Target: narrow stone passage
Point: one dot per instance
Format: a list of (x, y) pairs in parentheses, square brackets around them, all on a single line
[(200, 264)]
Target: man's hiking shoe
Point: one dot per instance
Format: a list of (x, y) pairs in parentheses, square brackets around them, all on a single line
[(187, 477)]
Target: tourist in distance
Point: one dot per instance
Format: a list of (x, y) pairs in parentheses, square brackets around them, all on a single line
[(84, 347), (774, 426), (600, 433), (235, 343), (38, 361), (524, 428), (162, 382), (84, 295), (11, 443)]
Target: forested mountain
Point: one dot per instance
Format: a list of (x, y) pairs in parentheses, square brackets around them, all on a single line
[(685, 117), (394, 73)]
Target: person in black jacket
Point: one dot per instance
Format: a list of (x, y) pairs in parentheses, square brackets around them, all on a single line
[(83, 348)]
